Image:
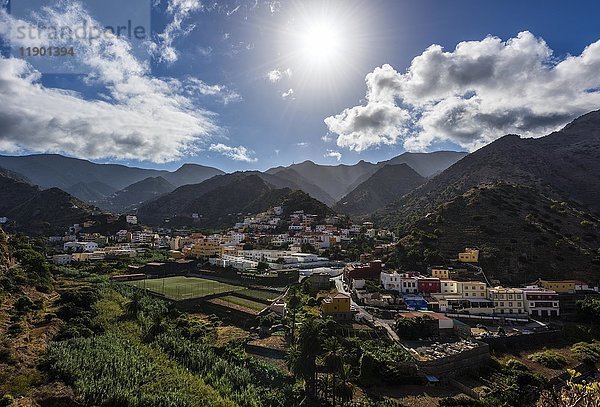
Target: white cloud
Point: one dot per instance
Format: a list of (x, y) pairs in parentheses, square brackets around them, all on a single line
[(276, 75), (221, 92), (275, 7), (140, 117), (239, 153), (303, 144), (233, 11), (163, 48), (472, 95), (288, 95), (334, 154)]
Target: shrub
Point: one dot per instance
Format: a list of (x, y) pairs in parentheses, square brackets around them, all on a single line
[(587, 352), (6, 400), (514, 364), (549, 359)]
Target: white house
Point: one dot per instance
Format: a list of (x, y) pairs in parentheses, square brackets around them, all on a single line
[(131, 219), (391, 281), (540, 302), (81, 246), (61, 259)]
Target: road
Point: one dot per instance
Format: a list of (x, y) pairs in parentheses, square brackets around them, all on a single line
[(362, 314)]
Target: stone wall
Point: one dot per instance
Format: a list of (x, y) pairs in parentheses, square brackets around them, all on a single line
[(471, 360)]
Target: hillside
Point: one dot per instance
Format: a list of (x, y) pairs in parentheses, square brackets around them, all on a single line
[(90, 181), (133, 195), (523, 234), (38, 211), (222, 200), (563, 164), (386, 185), (340, 180)]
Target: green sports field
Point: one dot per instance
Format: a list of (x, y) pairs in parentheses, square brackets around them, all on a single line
[(185, 288)]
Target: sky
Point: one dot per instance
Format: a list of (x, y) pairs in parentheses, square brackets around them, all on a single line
[(256, 84)]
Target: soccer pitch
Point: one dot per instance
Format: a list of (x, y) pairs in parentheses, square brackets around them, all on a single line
[(185, 288)]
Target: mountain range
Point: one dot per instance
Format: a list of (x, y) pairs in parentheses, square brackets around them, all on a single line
[(225, 199), (30, 209), (563, 164), (386, 185), (93, 182), (336, 181), (121, 188), (530, 204)]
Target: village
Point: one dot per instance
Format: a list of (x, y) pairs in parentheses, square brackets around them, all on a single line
[(451, 315)]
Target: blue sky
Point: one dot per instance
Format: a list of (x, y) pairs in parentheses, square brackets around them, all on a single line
[(258, 79)]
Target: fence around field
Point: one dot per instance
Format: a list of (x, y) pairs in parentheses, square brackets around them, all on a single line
[(182, 288)]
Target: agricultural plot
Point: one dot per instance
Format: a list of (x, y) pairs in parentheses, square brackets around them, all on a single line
[(185, 288), (242, 302), (261, 294)]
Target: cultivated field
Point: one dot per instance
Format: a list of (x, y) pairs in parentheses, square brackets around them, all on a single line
[(185, 288), (242, 302), (261, 294)]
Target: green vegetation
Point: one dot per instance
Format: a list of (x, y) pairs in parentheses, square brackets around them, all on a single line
[(243, 302), (261, 294), (549, 359), (413, 328), (184, 288), (587, 352), (589, 309), (575, 393), (511, 384), (150, 355), (107, 370)]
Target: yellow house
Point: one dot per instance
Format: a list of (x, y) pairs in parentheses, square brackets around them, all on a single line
[(469, 256), (560, 286), (472, 289), (206, 248), (337, 306), (443, 273), (230, 250)]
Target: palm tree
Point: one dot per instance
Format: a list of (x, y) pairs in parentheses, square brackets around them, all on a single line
[(333, 359), (345, 388), (309, 341), (324, 386), (133, 308), (294, 303)]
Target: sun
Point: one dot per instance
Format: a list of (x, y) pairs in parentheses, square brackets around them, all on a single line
[(321, 43)]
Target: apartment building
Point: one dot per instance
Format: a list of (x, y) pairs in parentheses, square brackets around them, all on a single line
[(205, 248), (541, 302), (472, 289), (560, 286), (508, 300)]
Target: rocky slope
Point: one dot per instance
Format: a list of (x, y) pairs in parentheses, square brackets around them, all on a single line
[(386, 185), (223, 200), (38, 211), (564, 164)]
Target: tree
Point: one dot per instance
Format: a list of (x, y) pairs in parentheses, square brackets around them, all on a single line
[(133, 308), (262, 266), (589, 308), (572, 395), (345, 387), (307, 248), (310, 341), (333, 359), (294, 303)]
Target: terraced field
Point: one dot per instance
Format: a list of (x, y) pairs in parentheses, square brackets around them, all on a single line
[(242, 302)]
